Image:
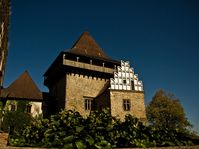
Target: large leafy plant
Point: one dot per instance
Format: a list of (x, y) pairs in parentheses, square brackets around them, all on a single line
[(68, 129)]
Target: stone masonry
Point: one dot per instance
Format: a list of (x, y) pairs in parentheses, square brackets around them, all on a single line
[(136, 103), (79, 87)]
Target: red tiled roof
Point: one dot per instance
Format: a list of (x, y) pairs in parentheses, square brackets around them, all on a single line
[(87, 46), (24, 87)]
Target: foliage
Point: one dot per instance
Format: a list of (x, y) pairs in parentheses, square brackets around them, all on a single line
[(68, 129), (165, 111), (16, 119), (21, 106), (101, 127), (132, 133), (1, 114)]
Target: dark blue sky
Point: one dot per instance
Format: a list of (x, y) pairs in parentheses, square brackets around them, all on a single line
[(159, 38)]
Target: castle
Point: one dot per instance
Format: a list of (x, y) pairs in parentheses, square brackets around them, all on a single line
[(84, 79)]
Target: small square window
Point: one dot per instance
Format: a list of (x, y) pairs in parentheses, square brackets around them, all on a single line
[(126, 105)]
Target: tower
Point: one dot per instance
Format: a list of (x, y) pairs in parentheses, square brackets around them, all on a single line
[(84, 78)]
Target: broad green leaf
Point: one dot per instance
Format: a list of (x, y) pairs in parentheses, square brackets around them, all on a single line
[(68, 146), (90, 140), (79, 128), (68, 139), (80, 144)]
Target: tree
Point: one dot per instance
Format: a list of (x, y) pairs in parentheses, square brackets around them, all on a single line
[(4, 27), (166, 111)]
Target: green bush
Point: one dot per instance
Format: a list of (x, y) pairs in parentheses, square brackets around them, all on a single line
[(15, 119), (68, 129)]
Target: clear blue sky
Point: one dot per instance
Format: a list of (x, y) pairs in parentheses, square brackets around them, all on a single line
[(159, 38)]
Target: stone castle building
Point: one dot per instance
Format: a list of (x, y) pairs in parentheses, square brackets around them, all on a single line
[(84, 78)]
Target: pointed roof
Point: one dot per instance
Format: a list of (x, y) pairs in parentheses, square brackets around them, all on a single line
[(24, 87), (87, 46)]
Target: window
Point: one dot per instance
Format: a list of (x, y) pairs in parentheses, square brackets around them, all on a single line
[(124, 81), (126, 105), (132, 85), (12, 107), (88, 104), (28, 108)]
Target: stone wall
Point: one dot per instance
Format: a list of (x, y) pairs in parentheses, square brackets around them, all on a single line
[(58, 94), (136, 103), (80, 86), (102, 101)]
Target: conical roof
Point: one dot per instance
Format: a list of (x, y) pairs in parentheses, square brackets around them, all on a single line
[(24, 87), (87, 46)]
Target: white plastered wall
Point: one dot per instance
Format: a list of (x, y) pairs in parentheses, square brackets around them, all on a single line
[(36, 108)]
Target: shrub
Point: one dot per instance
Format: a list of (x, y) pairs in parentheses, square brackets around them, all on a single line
[(15, 119), (69, 129)]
